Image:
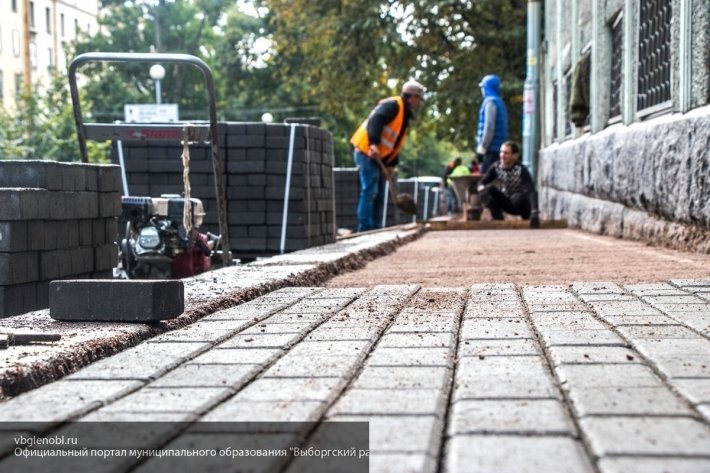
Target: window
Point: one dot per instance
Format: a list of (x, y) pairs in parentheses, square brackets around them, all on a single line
[(32, 15), (18, 85), (554, 109), (14, 6), (61, 23), (2, 86), (50, 57), (654, 61), (33, 55), (617, 45), (16, 43), (76, 27), (48, 19)]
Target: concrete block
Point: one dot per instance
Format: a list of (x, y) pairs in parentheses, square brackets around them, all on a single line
[(292, 389), (232, 376), (391, 402), (17, 268), (287, 414), (653, 464), (116, 300), (13, 237), (429, 357), (658, 436), (629, 400), (173, 399), (507, 416), (520, 454), (480, 328)]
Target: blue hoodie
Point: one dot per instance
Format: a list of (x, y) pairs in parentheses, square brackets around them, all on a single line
[(492, 139)]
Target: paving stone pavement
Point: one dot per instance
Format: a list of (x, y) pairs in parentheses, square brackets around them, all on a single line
[(592, 377)]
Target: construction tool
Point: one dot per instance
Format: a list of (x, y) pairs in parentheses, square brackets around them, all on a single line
[(9, 339), (404, 202)]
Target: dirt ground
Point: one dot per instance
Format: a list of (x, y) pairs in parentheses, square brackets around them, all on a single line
[(528, 257)]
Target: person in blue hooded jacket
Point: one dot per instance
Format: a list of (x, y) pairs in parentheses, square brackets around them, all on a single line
[(492, 123)]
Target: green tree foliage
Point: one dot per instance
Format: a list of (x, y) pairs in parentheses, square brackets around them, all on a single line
[(330, 58)]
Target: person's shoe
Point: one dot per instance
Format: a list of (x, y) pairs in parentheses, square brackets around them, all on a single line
[(474, 214), (535, 220)]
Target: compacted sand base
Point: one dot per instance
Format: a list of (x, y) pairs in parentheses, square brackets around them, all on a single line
[(459, 258)]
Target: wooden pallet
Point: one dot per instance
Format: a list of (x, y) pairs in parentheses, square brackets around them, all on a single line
[(446, 223)]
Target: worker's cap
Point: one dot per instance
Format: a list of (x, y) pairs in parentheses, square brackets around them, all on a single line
[(413, 87)]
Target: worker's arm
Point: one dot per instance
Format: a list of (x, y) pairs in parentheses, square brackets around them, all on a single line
[(490, 176), (384, 113), (532, 195)]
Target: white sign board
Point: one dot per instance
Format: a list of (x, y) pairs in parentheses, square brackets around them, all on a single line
[(151, 113)]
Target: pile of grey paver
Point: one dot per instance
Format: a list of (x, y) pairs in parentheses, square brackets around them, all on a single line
[(57, 221), (347, 192), (255, 156)]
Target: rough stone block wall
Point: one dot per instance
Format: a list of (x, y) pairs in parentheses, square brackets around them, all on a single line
[(57, 221), (648, 181), (255, 157)]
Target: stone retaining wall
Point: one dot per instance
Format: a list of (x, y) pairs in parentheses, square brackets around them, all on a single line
[(648, 181)]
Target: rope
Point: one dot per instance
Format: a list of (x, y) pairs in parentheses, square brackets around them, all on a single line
[(187, 209)]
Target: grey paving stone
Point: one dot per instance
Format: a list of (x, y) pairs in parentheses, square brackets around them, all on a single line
[(624, 308), (480, 328), (173, 399), (658, 332), (506, 309), (235, 410), (292, 389), (429, 401), (237, 356), (630, 400), (103, 416), (674, 299), (648, 320), (597, 288), (593, 354), (681, 365), (653, 465), (400, 434), (704, 410), (212, 331), (520, 377), (558, 320), (332, 366), (331, 348), (515, 454), (593, 375), (233, 376), (518, 417), (402, 463), (116, 300), (606, 297), (579, 337), (425, 322), (659, 436), (269, 328), (413, 340), (501, 347), (284, 318), (242, 312), (691, 282), (383, 356), (335, 333), (661, 291), (696, 390), (261, 340), (64, 399), (699, 322), (144, 362), (696, 308), (403, 377)]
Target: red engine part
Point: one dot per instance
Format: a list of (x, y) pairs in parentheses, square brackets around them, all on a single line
[(191, 262)]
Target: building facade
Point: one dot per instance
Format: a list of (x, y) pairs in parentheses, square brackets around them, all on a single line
[(34, 35), (625, 125)]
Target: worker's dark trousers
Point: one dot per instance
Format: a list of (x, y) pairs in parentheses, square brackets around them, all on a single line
[(494, 199)]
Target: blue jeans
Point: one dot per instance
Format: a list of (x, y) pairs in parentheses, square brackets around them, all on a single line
[(372, 192)]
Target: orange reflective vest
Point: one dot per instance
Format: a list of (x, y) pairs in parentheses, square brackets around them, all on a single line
[(390, 134)]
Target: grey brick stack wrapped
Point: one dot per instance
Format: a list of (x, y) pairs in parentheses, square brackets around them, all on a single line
[(57, 221), (347, 192), (257, 168), (255, 156)]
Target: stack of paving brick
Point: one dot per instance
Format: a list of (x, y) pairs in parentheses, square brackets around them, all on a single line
[(347, 192), (257, 170), (255, 157), (57, 221), (155, 168)]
